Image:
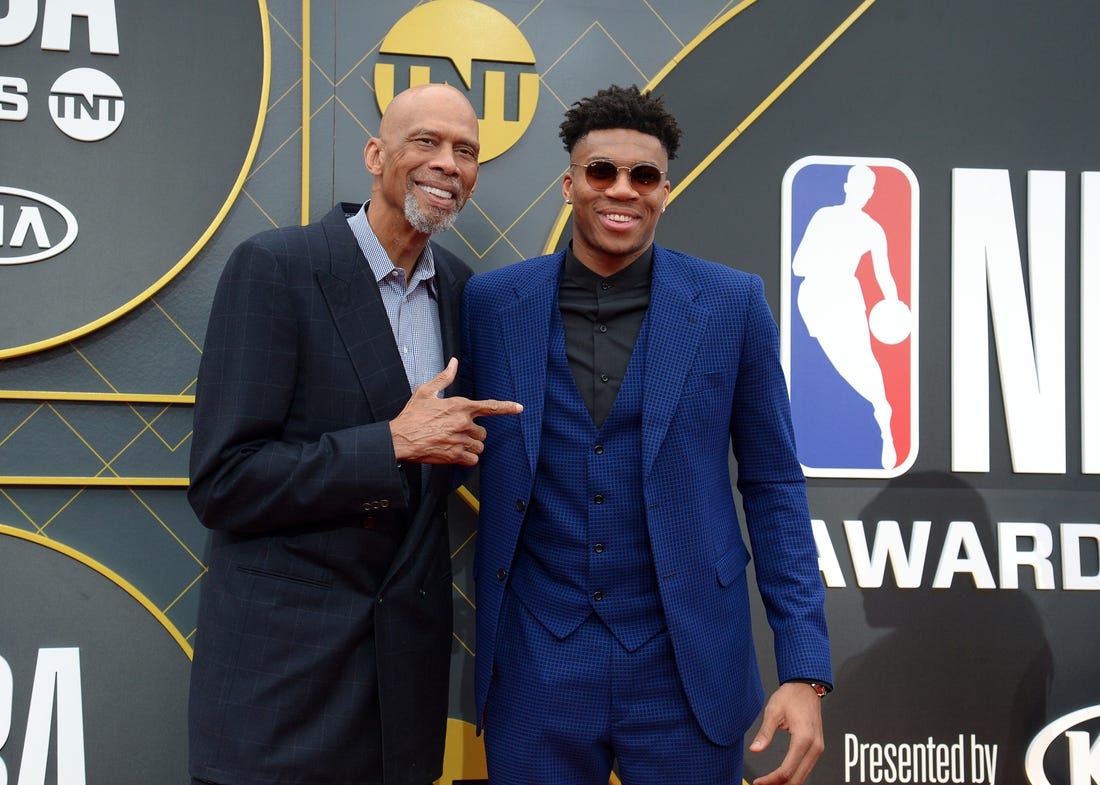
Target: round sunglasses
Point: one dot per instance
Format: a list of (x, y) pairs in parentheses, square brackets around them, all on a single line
[(601, 175)]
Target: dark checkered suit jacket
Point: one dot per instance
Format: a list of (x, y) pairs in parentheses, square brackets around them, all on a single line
[(325, 618), (712, 377)]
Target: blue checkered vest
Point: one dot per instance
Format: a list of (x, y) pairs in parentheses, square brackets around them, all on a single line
[(584, 547)]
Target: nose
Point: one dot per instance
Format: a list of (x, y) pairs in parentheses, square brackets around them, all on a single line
[(622, 188), (445, 159)]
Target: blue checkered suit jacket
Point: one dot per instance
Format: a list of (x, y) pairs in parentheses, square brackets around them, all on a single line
[(326, 611), (712, 378)]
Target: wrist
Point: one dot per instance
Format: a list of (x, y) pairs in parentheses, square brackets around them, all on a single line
[(820, 688)]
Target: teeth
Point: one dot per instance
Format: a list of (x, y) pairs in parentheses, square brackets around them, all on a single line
[(437, 191), (618, 218)]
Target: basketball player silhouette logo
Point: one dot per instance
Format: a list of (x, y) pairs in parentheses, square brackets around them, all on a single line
[(849, 343)]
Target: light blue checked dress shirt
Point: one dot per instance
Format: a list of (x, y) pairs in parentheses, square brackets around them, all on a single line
[(411, 305)]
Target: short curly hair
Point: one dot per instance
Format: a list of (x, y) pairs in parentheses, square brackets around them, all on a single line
[(621, 107)]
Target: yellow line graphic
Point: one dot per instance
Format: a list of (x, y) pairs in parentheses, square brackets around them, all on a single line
[(94, 397), (110, 575), (772, 97), (306, 73), (110, 482), (563, 215)]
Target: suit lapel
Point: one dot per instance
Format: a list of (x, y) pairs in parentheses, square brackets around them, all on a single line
[(525, 328), (356, 306), (449, 298), (676, 325)]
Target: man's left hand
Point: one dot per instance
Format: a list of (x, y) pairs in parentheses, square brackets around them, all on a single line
[(795, 708)]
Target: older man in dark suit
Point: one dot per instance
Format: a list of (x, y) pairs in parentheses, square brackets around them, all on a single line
[(324, 636)]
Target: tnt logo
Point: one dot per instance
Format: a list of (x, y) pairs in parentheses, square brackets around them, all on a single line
[(849, 314), (470, 46), (86, 104)]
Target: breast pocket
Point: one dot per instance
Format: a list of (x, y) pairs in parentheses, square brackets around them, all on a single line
[(706, 383), (731, 565)]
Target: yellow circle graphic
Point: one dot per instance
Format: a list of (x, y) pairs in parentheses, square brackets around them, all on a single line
[(472, 47)]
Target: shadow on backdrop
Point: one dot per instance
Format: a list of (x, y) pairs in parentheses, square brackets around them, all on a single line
[(954, 661)]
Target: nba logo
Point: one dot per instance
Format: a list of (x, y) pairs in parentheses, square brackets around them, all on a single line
[(849, 314)]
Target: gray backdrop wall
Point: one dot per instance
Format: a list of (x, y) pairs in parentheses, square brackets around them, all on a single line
[(140, 143)]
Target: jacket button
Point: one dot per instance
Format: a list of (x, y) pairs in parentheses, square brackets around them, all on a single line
[(597, 596), (598, 449), (598, 547), (502, 574), (520, 505), (598, 498)]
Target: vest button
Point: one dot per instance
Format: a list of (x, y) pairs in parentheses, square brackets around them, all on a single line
[(598, 547), (502, 574), (520, 505), (597, 595), (598, 498), (598, 449)]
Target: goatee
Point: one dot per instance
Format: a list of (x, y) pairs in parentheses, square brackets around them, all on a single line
[(427, 221)]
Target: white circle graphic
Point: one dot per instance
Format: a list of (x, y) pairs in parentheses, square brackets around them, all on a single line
[(890, 321), (86, 104)]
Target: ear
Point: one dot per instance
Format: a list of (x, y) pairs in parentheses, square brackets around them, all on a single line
[(373, 154), (567, 186)]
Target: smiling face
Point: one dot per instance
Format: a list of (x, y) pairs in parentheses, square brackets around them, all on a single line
[(424, 161), (612, 228)]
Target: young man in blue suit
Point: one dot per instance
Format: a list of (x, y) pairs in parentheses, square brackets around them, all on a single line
[(324, 634), (613, 608)]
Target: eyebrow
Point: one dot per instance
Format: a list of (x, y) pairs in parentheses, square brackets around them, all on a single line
[(613, 161), (424, 131)]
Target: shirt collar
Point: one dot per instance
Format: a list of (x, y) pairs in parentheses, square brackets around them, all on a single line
[(379, 261), (637, 273)]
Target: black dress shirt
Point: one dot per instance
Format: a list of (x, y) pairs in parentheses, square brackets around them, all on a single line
[(601, 318)]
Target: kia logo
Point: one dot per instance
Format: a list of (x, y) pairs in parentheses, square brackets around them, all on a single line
[(33, 227), (1083, 757)]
